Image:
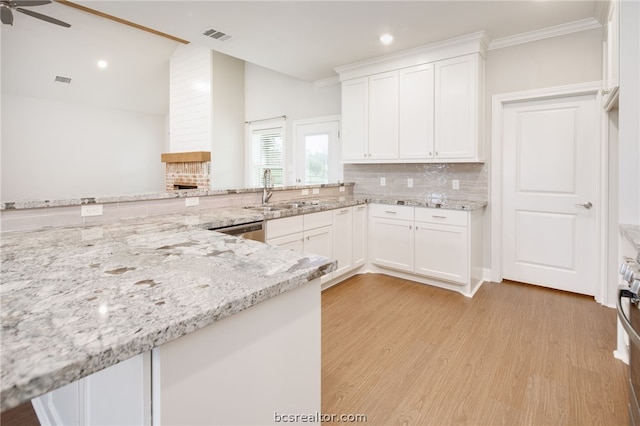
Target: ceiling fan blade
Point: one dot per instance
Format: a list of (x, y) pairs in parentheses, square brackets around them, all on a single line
[(5, 15), (43, 17), (15, 3)]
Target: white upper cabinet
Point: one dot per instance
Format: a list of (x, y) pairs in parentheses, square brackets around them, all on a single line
[(355, 105), (383, 116), (456, 109), (415, 113), (425, 106)]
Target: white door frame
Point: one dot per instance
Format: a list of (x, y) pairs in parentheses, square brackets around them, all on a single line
[(498, 104)]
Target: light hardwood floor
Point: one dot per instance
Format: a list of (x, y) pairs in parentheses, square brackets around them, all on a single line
[(406, 353)]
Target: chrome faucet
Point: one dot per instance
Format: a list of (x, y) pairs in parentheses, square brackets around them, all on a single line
[(266, 190)]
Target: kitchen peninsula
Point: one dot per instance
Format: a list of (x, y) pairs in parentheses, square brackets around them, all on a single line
[(77, 300)]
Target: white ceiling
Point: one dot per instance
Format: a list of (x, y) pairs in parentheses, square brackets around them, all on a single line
[(308, 39), (304, 39)]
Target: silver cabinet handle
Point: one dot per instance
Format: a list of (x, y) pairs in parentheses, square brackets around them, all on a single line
[(438, 217), (586, 205), (390, 211)]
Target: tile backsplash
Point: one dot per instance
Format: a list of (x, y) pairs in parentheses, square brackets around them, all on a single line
[(429, 180)]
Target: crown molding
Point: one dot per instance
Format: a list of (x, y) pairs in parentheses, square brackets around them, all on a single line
[(555, 31), (458, 46), (329, 81)]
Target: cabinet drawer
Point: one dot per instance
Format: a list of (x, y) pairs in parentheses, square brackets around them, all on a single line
[(391, 211), (446, 217), (284, 226), (317, 220)]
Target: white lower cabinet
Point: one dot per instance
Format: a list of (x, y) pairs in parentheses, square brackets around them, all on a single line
[(359, 236), (435, 246), (311, 233), (343, 240), (117, 395), (441, 251), (339, 234), (392, 243)]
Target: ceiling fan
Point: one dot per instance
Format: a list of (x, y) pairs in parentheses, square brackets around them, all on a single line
[(7, 7)]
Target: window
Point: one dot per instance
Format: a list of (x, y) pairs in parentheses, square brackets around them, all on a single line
[(317, 151), (267, 152)]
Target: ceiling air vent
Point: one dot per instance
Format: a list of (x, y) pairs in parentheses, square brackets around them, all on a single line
[(60, 79), (215, 34)]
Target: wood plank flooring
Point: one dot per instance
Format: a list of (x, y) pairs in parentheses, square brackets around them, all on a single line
[(410, 354)]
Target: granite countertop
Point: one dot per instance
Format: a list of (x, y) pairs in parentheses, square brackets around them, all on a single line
[(447, 204), (36, 204), (632, 234), (77, 300)]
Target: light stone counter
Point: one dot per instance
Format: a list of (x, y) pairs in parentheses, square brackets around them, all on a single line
[(447, 204), (77, 300)]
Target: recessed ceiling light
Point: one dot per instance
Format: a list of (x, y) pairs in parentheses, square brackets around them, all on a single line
[(386, 39), (102, 64)]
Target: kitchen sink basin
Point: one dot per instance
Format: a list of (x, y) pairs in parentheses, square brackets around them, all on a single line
[(267, 208)]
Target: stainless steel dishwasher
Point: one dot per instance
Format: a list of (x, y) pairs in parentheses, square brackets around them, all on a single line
[(250, 231)]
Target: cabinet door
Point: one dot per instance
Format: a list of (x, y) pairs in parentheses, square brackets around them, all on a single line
[(415, 113), (391, 243), (291, 241), (441, 251), (117, 395), (360, 231), (320, 241), (456, 108), (342, 240), (355, 122), (383, 116)]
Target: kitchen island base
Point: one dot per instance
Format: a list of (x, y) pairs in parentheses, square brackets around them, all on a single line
[(248, 368)]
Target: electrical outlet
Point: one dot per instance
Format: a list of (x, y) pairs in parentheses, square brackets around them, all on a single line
[(315, 191), (409, 183), (192, 201), (383, 181), (305, 192), (91, 210), (342, 189), (455, 184)]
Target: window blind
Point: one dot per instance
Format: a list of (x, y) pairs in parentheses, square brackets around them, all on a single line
[(268, 153)]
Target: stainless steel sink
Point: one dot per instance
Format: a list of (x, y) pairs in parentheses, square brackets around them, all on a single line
[(267, 208)]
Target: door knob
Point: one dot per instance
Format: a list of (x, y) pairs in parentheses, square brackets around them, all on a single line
[(586, 205)]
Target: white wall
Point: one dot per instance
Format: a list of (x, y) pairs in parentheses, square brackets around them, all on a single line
[(558, 61), (57, 150), (629, 119), (270, 94), (227, 154), (190, 103)]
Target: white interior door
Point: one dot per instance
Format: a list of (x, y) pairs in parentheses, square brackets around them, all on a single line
[(549, 192), (318, 152)]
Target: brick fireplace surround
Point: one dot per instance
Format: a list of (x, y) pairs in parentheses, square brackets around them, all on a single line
[(187, 170)]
